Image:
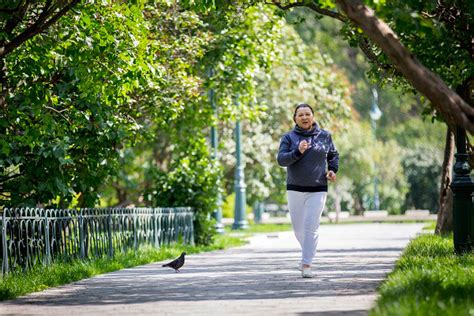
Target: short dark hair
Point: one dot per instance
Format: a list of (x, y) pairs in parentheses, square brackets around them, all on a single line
[(302, 105)]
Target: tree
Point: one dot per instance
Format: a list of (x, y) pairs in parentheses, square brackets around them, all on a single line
[(446, 101), (299, 74), (366, 158), (20, 21), (422, 166), (23, 20), (69, 106), (435, 31), (171, 165), (401, 121), (444, 223)]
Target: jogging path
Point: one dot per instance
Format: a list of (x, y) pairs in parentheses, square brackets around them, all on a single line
[(260, 278)]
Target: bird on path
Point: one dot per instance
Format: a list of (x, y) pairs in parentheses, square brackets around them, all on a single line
[(177, 263)]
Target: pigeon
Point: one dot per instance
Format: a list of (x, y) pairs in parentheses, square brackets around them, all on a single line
[(176, 264)]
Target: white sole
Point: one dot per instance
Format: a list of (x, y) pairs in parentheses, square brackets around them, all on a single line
[(309, 275)]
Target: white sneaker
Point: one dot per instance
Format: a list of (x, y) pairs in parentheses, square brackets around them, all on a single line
[(300, 266), (306, 272)]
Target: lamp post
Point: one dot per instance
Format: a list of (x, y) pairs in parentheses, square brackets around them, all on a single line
[(240, 221), (375, 115), (217, 214), (257, 212), (462, 185)]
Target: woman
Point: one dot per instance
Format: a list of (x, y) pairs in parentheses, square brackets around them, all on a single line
[(311, 160)]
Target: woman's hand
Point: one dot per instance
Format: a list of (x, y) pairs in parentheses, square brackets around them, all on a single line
[(303, 145), (331, 176)]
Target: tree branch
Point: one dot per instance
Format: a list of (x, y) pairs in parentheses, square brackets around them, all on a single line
[(364, 44), (312, 6), (366, 48), (39, 26), (7, 11), (17, 15), (447, 102), (47, 11), (5, 179), (332, 14), (456, 19), (288, 6), (451, 106)]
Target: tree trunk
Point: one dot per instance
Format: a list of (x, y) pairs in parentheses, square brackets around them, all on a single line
[(451, 106), (358, 205), (444, 223)]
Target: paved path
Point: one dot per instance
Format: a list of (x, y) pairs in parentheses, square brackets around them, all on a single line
[(260, 278)]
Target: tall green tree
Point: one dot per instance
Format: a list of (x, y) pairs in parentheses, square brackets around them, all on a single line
[(364, 159), (301, 75), (416, 35), (69, 106), (376, 38), (172, 165), (401, 120)]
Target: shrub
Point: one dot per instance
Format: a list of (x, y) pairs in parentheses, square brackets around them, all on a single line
[(192, 180)]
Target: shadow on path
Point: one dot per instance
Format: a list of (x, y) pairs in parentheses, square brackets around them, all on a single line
[(237, 274)]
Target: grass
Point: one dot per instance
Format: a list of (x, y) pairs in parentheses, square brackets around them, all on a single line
[(261, 228), (431, 226), (266, 228), (59, 273), (429, 279)]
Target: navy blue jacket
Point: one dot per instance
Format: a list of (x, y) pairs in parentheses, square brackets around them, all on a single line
[(307, 171)]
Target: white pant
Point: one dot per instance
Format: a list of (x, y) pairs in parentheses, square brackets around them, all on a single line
[(305, 211)]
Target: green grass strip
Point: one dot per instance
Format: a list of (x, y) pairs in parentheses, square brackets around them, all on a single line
[(59, 273), (429, 279), (268, 227), (261, 228), (431, 226)]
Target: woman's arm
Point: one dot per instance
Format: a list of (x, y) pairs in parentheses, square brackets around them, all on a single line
[(332, 156), (287, 156)]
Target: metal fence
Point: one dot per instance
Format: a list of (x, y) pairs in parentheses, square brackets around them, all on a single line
[(33, 236)]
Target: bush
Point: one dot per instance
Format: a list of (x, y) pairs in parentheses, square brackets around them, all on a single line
[(228, 207), (422, 168), (192, 180)]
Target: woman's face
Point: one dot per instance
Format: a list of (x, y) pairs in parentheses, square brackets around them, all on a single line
[(304, 118)]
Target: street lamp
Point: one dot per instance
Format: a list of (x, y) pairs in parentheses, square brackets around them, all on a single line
[(214, 141), (375, 115), (463, 185), (240, 221)]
